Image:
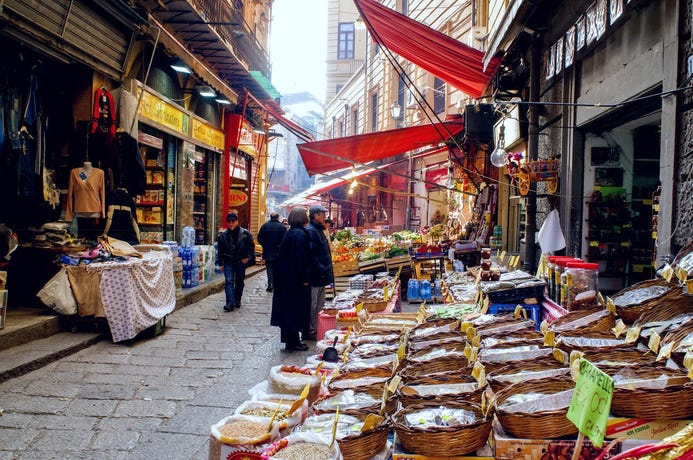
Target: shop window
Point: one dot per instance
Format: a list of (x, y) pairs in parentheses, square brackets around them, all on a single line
[(355, 121), (374, 112), (439, 95), (345, 45)]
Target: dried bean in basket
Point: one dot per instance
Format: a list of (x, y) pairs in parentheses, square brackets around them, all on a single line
[(304, 451)]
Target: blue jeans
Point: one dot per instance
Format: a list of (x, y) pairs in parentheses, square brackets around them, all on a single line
[(234, 275)]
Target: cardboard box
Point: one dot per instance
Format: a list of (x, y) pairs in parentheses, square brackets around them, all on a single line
[(509, 448), (398, 453), (634, 428)]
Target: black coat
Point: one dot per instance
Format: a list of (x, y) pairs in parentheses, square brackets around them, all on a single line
[(321, 256), (270, 237), (235, 246), (291, 300)]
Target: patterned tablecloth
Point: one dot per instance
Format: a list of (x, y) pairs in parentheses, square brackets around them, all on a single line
[(137, 293)]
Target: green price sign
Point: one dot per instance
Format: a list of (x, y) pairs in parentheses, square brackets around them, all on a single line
[(589, 409)]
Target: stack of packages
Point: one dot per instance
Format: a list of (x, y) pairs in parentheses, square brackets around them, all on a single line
[(53, 234), (205, 262), (177, 264)]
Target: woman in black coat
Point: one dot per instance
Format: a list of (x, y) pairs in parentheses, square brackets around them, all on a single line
[(291, 300)]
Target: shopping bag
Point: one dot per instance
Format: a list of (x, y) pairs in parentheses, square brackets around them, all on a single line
[(118, 247), (57, 294)]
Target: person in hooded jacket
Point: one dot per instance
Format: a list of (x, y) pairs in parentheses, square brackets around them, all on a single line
[(291, 299), (270, 236), (321, 267)]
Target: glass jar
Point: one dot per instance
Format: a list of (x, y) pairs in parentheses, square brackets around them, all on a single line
[(560, 263), (582, 282)]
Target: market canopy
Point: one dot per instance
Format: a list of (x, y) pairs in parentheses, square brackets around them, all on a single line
[(330, 155), (448, 59)]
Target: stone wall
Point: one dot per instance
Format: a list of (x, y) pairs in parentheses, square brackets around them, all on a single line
[(683, 214)]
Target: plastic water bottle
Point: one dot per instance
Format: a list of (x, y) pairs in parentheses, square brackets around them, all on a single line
[(437, 290), (425, 289), (188, 237), (413, 289)]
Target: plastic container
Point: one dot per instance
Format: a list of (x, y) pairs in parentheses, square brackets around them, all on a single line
[(582, 283), (559, 279), (437, 289), (553, 280), (425, 289), (413, 289)]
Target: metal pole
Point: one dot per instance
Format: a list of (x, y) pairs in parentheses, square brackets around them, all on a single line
[(532, 154)]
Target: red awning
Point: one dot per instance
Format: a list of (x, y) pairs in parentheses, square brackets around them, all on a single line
[(453, 62), (330, 155)]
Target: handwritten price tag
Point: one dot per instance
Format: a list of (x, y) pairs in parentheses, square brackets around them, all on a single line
[(591, 403)]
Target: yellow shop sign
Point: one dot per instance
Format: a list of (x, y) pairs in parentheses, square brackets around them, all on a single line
[(209, 135), (237, 197), (165, 114)]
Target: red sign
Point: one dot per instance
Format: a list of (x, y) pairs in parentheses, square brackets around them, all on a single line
[(237, 197), (436, 176)]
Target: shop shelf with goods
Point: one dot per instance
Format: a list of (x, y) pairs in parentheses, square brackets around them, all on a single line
[(200, 200), (609, 236), (155, 209)]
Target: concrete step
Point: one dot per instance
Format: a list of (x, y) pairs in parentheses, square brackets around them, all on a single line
[(23, 325), (29, 356)]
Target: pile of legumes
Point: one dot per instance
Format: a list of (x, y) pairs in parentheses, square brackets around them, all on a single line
[(304, 451)]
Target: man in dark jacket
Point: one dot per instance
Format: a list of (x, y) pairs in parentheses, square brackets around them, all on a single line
[(236, 247), (321, 274), (270, 237)]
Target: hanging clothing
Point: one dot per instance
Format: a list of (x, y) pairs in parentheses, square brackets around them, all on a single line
[(85, 193), (133, 174), (121, 220), (104, 117)]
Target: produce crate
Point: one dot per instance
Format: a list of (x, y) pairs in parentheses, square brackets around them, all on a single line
[(393, 264), (517, 294), (348, 268), (372, 266), (341, 284)]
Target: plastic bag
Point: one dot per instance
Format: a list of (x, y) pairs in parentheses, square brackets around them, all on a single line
[(265, 409), (57, 294), (118, 247)]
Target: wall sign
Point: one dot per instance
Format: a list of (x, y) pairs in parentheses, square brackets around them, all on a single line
[(165, 114)]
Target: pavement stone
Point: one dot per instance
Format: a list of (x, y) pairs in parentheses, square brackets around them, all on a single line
[(148, 398)]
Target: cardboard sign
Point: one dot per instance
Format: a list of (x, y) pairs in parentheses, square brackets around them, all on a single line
[(589, 409)]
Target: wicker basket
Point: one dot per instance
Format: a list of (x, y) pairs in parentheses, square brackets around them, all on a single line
[(374, 307), (423, 331), (410, 400), (494, 363), (503, 377), (514, 339), (456, 363), (569, 342), (364, 445), (670, 305), (443, 441), (620, 357), (416, 356), (390, 406), (598, 320), (546, 424), (437, 342), (630, 313), (374, 389), (669, 403)]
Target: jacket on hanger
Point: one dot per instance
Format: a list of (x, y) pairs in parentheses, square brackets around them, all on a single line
[(104, 117)]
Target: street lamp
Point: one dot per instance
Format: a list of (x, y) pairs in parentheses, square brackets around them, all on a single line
[(499, 156), (395, 110)]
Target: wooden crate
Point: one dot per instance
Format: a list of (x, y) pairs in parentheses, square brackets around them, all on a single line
[(345, 268), (393, 264), (372, 266)]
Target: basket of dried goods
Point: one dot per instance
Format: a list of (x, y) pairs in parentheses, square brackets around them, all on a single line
[(451, 429), (454, 340), (677, 342), (456, 362), (358, 437), (620, 357), (514, 339), (432, 329), (496, 358), (633, 301), (371, 381), (355, 363), (651, 392), (438, 389), (523, 371), (583, 321), (291, 379), (373, 300), (371, 350), (536, 409), (593, 341), (281, 414), (353, 403), (495, 325), (243, 433), (374, 337), (302, 446)]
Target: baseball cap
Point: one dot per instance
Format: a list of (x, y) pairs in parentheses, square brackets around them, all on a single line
[(316, 209), (231, 216)]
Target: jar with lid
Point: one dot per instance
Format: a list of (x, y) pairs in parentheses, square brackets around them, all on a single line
[(582, 282), (559, 265)]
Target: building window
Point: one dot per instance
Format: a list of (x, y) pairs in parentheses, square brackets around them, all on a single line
[(374, 112), (401, 91), (405, 7), (355, 120), (346, 41), (338, 88), (438, 95), (341, 128)]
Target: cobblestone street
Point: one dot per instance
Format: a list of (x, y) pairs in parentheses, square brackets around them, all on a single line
[(151, 399)]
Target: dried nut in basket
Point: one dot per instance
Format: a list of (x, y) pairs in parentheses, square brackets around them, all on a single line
[(244, 432), (305, 451)]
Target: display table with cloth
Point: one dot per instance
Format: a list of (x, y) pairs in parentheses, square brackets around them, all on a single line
[(133, 294)]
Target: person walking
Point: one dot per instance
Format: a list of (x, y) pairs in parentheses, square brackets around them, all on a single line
[(291, 299), (321, 274), (270, 237), (236, 247)]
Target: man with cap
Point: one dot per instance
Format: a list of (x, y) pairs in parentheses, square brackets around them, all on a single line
[(236, 247), (270, 236), (321, 266)]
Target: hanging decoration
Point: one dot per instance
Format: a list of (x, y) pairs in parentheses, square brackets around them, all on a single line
[(523, 172)]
